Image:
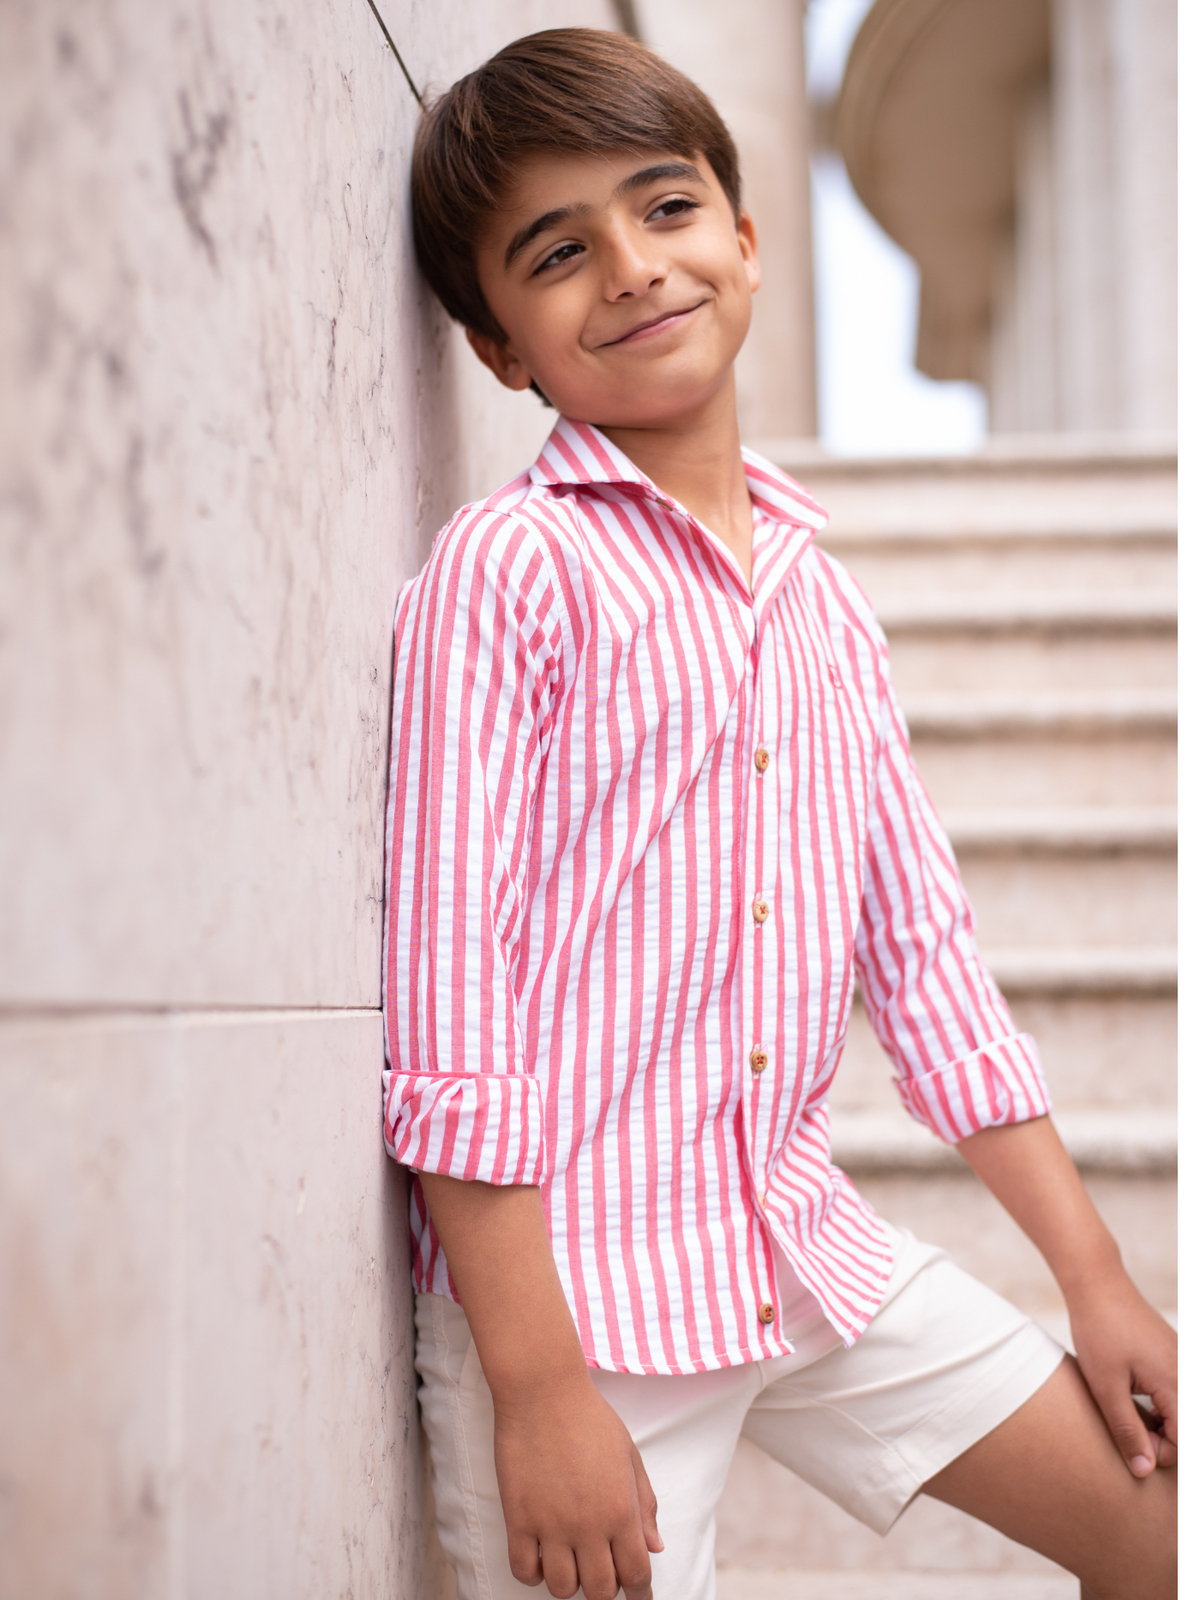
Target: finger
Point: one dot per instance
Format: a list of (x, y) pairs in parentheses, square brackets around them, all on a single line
[(631, 1560), (597, 1575), (648, 1505), (524, 1559), (1165, 1401), (561, 1575), (1130, 1434)]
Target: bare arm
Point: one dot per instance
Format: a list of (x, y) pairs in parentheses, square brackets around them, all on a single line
[(577, 1503), (1124, 1346)]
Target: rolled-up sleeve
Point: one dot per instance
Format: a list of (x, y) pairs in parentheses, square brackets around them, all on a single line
[(960, 1063), (477, 666)]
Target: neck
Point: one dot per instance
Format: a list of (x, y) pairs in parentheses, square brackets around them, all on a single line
[(697, 460)]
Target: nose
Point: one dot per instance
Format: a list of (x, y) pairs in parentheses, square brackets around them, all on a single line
[(633, 264)]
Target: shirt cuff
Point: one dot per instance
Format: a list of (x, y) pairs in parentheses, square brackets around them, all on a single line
[(1000, 1083), (484, 1125)]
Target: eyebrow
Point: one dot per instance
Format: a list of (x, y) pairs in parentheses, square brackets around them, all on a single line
[(661, 172)]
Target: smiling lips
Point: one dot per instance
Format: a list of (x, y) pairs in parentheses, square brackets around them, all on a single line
[(653, 325)]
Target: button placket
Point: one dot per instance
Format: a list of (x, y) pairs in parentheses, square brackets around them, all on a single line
[(762, 878)]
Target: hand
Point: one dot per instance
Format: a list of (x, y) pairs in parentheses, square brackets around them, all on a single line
[(1125, 1348), (578, 1506), (1123, 1345)]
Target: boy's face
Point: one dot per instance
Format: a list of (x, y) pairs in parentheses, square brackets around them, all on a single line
[(623, 282)]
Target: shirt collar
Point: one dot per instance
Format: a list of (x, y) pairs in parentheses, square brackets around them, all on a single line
[(579, 454)]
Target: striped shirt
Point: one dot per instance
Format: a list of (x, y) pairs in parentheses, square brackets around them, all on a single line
[(643, 827)]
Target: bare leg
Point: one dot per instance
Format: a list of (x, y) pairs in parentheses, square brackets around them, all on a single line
[(1051, 1478)]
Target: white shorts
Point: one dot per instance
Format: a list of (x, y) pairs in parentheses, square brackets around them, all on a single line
[(944, 1361)]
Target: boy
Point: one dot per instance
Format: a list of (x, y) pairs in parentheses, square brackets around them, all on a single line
[(651, 805)]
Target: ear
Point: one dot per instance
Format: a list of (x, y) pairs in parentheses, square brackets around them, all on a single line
[(498, 358), (748, 245)]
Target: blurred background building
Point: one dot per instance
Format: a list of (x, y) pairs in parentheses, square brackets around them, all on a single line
[(231, 419)]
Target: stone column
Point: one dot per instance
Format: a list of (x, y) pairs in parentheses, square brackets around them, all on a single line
[(750, 60), (1114, 102)]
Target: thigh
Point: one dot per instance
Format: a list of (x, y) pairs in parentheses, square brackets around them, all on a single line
[(1050, 1477), (685, 1427)]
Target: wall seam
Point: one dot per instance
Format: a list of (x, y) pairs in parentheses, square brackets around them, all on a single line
[(408, 77)]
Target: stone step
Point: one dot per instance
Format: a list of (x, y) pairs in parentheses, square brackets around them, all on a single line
[(949, 1207), (1065, 612), (1064, 830), (1006, 488), (773, 1528), (1043, 769), (750, 1583), (1029, 970), (1101, 1140), (1094, 712), (946, 661), (1100, 1047), (890, 564), (1112, 899)]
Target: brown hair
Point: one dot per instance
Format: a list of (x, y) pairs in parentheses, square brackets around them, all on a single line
[(567, 89)]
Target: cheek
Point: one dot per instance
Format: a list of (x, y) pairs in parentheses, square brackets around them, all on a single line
[(549, 331)]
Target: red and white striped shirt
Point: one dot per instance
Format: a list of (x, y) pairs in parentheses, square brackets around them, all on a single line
[(643, 826)]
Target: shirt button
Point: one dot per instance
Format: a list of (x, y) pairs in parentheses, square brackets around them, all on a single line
[(758, 1058), (761, 910), (766, 1312), (761, 760)]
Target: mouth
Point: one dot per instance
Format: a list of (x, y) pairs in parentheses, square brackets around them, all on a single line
[(652, 326)]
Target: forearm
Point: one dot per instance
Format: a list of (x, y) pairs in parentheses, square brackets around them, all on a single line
[(499, 1253), (1027, 1168), (577, 1503)]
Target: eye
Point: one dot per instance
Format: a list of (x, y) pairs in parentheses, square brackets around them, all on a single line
[(677, 206), (565, 252)]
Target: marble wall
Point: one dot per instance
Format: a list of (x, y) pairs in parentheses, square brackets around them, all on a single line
[(231, 419)]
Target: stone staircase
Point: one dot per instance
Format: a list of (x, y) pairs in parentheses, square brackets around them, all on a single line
[(1028, 593)]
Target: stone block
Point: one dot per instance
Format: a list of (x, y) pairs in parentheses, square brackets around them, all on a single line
[(233, 420), (207, 1347)]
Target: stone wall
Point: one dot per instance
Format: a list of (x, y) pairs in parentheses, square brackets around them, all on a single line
[(231, 419)]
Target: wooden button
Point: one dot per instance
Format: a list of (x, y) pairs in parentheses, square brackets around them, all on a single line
[(761, 760), (758, 1058), (766, 1312), (761, 910)]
